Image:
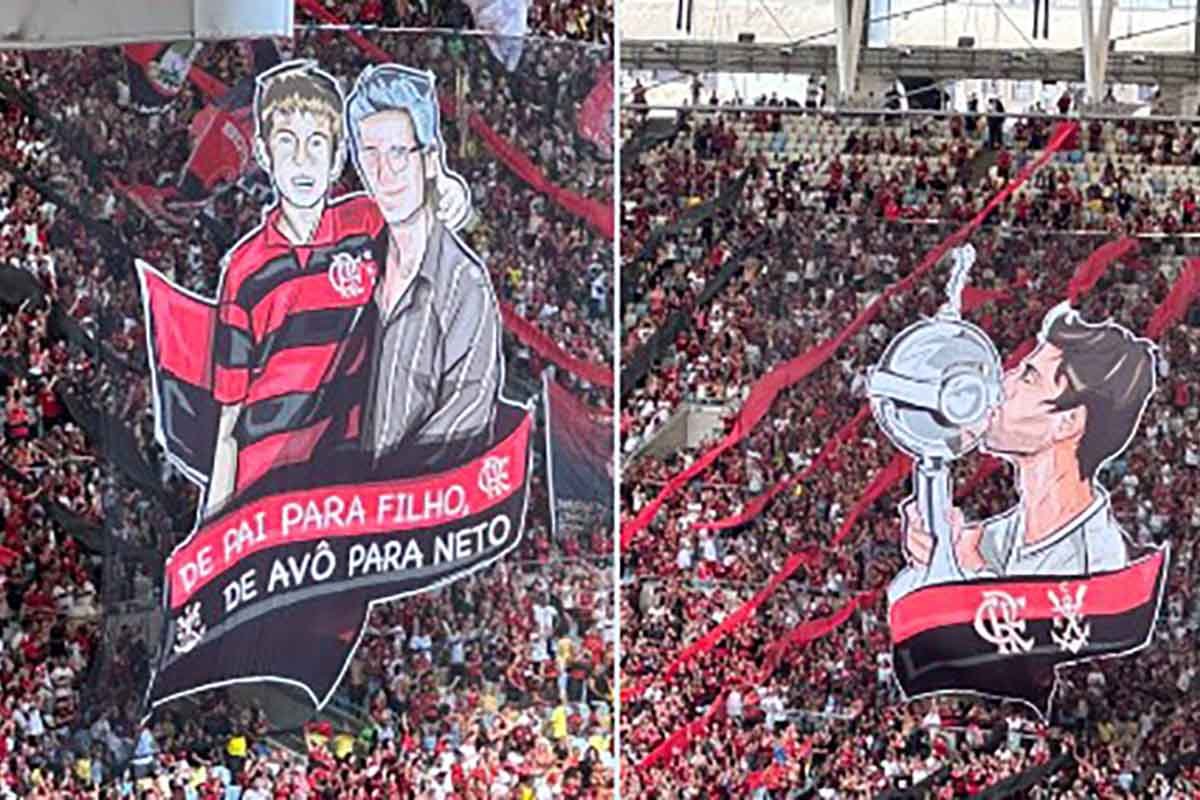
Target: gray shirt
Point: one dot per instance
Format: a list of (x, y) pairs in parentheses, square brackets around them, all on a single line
[(436, 356), (1091, 542)]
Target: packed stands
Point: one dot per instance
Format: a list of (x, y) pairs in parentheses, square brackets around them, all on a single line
[(496, 686), (756, 236)]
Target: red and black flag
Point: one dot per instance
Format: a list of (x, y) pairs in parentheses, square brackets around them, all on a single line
[(222, 133), (579, 449), (1006, 637), (595, 119), (222, 150), (156, 71)]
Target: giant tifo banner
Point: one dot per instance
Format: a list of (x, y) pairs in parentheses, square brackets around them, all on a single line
[(338, 399), (997, 606)]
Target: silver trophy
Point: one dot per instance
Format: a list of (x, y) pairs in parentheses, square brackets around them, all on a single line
[(931, 393)]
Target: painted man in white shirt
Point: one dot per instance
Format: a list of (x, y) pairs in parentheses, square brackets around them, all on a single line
[(1070, 406)]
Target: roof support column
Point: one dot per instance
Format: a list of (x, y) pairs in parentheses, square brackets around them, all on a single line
[(849, 16), (1096, 34)]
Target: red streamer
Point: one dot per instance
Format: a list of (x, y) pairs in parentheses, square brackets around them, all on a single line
[(678, 741), (548, 349), (814, 629), (760, 501), (1185, 289), (735, 620), (600, 216), (802, 634), (767, 388), (1089, 273), (895, 472)]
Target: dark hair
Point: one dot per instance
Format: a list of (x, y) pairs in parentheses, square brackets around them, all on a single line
[(1111, 374)]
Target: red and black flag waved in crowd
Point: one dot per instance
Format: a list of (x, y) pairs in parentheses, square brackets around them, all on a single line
[(579, 451), (156, 71)]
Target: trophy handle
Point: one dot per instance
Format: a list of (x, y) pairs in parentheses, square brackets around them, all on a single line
[(931, 483)]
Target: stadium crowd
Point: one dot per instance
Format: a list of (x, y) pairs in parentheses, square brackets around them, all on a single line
[(499, 686), (824, 718), (556, 19)]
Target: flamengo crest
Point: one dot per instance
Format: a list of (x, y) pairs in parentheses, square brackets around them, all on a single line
[(190, 629), (493, 476), (346, 274), (998, 620), (1067, 632)]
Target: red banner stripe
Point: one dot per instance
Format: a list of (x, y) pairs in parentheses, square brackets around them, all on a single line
[(533, 337), (295, 369), (230, 384), (1185, 289), (955, 604), (316, 292), (256, 459)]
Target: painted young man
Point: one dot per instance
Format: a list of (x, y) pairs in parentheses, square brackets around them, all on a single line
[(1069, 407), (289, 359)]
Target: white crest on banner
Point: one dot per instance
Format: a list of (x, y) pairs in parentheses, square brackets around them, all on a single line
[(1068, 633), (346, 274), (493, 476), (998, 620), (189, 629)]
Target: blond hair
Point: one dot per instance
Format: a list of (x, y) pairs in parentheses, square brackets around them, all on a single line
[(294, 89)]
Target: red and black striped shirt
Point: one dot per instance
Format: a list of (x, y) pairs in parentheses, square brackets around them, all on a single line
[(287, 346)]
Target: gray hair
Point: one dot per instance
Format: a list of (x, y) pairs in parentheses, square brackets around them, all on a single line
[(392, 87)]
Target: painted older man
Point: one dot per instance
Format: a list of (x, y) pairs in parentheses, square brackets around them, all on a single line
[(435, 350)]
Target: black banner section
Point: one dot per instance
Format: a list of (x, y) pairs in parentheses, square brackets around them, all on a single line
[(1020, 784), (1006, 638), (649, 136), (241, 588), (691, 218), (579, 448)]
